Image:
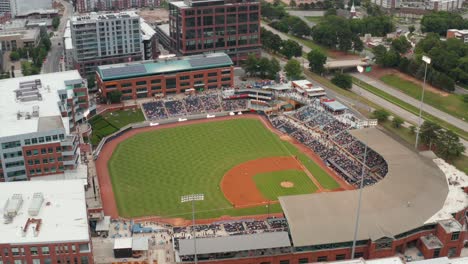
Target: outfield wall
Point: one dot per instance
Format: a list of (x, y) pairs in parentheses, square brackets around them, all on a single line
[(143, 124)]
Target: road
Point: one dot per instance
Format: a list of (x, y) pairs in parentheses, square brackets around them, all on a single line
[(410, 100), (52, 63)]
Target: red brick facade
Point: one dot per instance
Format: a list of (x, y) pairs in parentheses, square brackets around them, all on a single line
[(149, 86)]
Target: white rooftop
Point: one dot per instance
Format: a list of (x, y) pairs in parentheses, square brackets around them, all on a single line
[(147, 31), (48, 107), (63, 212), (93, 16), (124, 242)]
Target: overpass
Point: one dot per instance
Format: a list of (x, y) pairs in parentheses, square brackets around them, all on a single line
[(344, 64)]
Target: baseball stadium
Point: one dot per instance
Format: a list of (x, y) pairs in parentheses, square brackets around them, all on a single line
[(279, 173)]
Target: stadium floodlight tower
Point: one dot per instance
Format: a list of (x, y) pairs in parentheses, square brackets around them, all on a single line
[(358, 210), (427, 60), (192, 198)]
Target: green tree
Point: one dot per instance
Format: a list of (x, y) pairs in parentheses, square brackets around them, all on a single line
[(291, 48), (449, 145), (293, 69), (411, 29), (91, 81), (14, 56), (440, 22), (55, 22), (316, 60), (401, 45), (292, 3), (300, 28), (274, 68), (263, 66), (114, 96), (381, 115), (412, 130), (343, 81), (429, 132), (397, 122), (251, 65)]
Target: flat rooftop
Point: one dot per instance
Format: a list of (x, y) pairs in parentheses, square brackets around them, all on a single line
[(94, 17), (431, 241), (49, 111), (414, 189), (163, 66), (146, 30), (62, 213)]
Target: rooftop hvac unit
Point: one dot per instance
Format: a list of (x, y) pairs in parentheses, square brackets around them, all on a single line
[(13, 205), (36, 204)]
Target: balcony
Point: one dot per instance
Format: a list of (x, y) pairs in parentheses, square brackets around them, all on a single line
[(68, 141)]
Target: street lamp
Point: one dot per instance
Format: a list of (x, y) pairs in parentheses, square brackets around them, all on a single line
[(358, 210), (360, 70), (192, 198), (427, 60)]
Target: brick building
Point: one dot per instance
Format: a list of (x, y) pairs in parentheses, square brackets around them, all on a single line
[(44, 222), (458, 34), (166, 76), (230, 26), (39, 112)]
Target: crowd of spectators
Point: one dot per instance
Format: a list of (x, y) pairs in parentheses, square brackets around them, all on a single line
[(207, 102), (328, 137)]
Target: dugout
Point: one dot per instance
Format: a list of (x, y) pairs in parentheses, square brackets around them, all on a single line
[(123, 247)]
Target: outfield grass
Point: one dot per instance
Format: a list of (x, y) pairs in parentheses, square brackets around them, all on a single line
[(452, 104), (410, 108), (151, 170), (104, 125), (270, 183)]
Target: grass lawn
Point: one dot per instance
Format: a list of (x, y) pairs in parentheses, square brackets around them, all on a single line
[(151, 170), (314, 19), (410, 108), (104, 125), (269, 184), (452, 104)]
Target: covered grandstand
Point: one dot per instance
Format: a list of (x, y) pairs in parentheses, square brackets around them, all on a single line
[(412, 192)]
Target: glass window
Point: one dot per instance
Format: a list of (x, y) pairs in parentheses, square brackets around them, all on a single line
[(43, 151), (41, 140), (30, 162), (45, 161), (84, 260), (340, 257), (36, 161), (84, 248), (141, 83), (34, 140), (303, 260), (36, 261), (15, 251), (35, 152), (455, 236), (58, 149), (49, 261), (50, 150), (48, 138), (28, 153), (27, 142), (322, 258), (55, 137)]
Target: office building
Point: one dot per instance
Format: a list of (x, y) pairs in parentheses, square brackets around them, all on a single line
[(21, 7), (100, 39), (44, 222), (19, 38), (166, 76), (228, 26), (38, 114)]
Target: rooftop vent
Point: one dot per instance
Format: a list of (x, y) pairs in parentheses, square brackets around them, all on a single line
[(13, 205), (36, 204), (29, 91)]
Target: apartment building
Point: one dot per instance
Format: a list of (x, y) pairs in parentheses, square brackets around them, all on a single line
[(230, 26), (421, 6), (19, 7), (38, 114), (84, 6), (99, 39), (44, 222)]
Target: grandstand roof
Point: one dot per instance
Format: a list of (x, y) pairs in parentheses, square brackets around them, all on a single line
[(147, 68), (414, 190), (234, 243), (335, 106)]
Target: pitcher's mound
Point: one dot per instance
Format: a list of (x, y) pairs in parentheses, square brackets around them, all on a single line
[(287, 184)]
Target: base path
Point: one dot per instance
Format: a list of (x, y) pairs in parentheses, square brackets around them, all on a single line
[(239, 187)]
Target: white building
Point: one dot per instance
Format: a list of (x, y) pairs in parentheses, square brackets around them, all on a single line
[(99, 39), (425, 5), (18, 7), (38, 114), (44, 222)]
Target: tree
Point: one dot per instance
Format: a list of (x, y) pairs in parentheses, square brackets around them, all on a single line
[(397, 122), (293, 69), (91, 81), (263, 66), (14, 56), (291, 48), (381, 115), (440, 22), (343, 81), (358, 45), (292, 3), (250, 65), (411, 29), (429, 133), (274, 68), (300, 28), (316, 60), (449, 145), (56, 22), (401, 45), (412, 130), (114, 96)]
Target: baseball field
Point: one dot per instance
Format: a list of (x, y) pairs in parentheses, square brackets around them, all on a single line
[(150, 171)]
